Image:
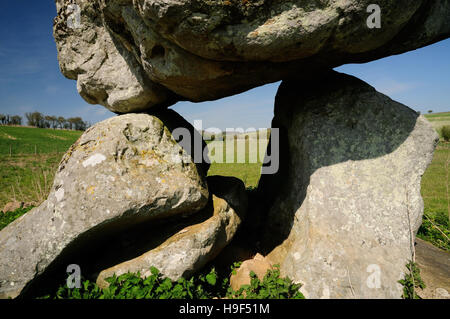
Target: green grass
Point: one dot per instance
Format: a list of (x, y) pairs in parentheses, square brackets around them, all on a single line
[(27, 178), (6, 219), (248, 170), (434, 192), (438, 115), (438, 120), (28, 140), (28, 161)]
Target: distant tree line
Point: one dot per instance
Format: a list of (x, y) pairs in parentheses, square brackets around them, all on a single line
[(40, 120), (10, 120)]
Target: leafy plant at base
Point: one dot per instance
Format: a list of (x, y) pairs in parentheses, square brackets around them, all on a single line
[(205, 285), (7, 218), (133, 286), (412, 281), (272, 287), (445, 132)]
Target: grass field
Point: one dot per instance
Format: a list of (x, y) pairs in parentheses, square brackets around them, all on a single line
[(435, 193), (438, 120), (27, 140), (28, 161), (247, 169), (27, 173)]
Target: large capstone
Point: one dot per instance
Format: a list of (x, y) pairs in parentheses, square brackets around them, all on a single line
[(343, 211), (122, 172), (134, 55)]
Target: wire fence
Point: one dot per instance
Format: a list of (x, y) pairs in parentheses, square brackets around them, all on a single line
[(14, 149)]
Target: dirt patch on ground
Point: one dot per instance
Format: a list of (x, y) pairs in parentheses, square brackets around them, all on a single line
[(434, 265), (9, 137), (56, 137)]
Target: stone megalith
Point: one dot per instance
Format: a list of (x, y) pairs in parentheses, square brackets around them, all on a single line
[(343, 211), (136, 55), (123, 172), (189, 244)]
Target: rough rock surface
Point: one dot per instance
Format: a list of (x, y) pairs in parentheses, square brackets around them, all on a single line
[(133, 55), (121, 172), (346, 203), (434, 265), (106, 72), (200, 239), (259, 265)]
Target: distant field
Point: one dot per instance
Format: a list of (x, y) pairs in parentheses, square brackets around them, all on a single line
[(438, 120), (28, 161), (246, 167), (27, 140), (436, 199)]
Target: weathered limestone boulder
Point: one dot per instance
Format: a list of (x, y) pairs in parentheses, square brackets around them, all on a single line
[(122, 172), (106, 72), (344, 209), (200, 239), (133, 55)]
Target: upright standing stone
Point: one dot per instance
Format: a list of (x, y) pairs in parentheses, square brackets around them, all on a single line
[(345, 207)]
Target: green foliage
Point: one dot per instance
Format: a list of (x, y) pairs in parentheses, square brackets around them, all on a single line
[(434, 192), (432, 231), (248, 171), (133, 286), (272, 287), (445, 132), (439, 120), (7, 218), (27, 178), (412, 281), (205, 285)]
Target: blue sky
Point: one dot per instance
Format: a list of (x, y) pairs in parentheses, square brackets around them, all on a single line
[(30, 78)]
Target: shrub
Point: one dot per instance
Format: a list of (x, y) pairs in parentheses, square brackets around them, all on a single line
[(272, 287), (434, 229), (412, 281), (205, 285), (7, 218), (445, 131)]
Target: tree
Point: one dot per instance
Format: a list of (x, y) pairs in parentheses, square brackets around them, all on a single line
[(71, 122), (61, 120), (51, 121), (430, 111), (446, 133), (78, 124), (16, 120), (35, 119), (2, 119)]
